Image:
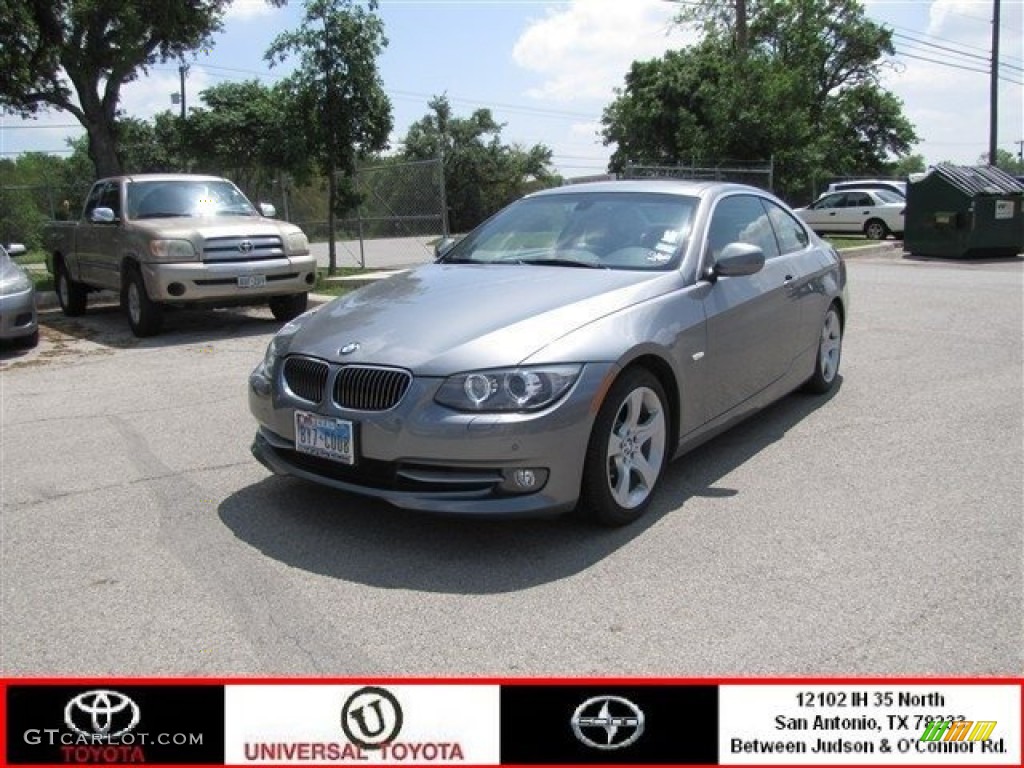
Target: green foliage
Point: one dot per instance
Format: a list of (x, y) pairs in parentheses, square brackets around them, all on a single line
[(1005, 161), (35, 188), (481, 173), (336, 93), (804, 92), (75, 56), (907, 165)]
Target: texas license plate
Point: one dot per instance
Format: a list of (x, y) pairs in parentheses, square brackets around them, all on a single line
[(252, 281), (324, 436)]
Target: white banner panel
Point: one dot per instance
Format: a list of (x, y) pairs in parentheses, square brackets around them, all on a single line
[(364, 725), (877, 724)]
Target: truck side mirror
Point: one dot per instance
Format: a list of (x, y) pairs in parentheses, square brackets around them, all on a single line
[(102, 216), (266, 209)]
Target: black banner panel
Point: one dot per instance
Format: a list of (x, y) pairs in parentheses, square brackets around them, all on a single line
[(587, 725), (98, 725)]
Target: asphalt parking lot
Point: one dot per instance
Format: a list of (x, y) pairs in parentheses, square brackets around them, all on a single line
[(879, 531)]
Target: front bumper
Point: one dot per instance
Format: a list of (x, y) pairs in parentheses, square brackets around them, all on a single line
[(423, 456), (18, 315), (198, 281)]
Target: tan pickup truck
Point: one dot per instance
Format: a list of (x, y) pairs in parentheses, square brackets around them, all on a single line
[(177, 239)]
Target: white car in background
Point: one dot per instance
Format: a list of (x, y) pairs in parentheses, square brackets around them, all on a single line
[(874, 213)]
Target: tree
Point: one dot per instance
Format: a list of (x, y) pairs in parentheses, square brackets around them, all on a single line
[(76, 55), (338, 92), (1005, 161), (805, 93), (481, 173), (907, 165), (249, 132)]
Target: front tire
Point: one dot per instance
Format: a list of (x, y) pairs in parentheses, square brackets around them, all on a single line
[(71, 295), (830, 348), (875, 229), (285, 308), (627, 451), (145, 316)]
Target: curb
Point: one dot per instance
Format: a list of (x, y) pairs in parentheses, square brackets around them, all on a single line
[(880, 249)]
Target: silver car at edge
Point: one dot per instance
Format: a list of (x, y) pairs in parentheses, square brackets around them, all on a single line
[(558, 356), (19, 324)]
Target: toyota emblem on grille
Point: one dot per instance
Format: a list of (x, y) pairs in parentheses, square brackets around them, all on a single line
[(608, 722), (349, 348), (245, 246)]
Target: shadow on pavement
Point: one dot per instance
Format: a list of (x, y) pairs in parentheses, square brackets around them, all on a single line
[(368, 542)]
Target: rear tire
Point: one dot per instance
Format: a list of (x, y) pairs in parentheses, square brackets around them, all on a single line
[(285, 308), (830, 348), (71, 295), (875, 229), (628, 450), (145, 316)]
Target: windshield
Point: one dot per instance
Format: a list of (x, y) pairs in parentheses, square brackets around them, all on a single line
[(186, 197), (601, 230)]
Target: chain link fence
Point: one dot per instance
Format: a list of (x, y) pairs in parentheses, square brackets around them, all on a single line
[(757, 175), (26, 209), (402, 214)]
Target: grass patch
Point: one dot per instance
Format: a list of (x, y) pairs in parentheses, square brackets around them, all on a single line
[(849, 242), (336, 289)]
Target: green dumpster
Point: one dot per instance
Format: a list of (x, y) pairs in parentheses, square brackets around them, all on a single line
[(964, 211)]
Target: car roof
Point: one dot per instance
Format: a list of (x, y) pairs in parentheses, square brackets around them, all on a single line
[(688, 187)]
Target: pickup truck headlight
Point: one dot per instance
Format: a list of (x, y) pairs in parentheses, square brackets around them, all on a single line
[(298, 244), (507, 390), (172, 250)]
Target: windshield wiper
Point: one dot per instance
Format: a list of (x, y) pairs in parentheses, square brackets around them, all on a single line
[(164, 215), (562, 263)]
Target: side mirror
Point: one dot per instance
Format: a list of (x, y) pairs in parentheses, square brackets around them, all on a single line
[(443, 246), (16, 249), (266, 209), (102, 216), (738, 260)]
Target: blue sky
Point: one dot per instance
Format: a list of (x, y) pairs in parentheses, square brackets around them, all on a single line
[(547, 69)]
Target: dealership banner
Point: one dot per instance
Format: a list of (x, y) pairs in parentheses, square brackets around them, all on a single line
[(529, 722)]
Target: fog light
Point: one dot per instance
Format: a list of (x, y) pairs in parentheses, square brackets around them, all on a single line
[(524, 479), (176, 289)]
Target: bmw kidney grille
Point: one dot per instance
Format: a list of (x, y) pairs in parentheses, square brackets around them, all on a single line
[(357, 387)]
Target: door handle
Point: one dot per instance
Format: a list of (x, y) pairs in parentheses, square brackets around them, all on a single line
[(789, 279)]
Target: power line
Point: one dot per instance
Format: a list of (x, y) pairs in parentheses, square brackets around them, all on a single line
[(986, 58)]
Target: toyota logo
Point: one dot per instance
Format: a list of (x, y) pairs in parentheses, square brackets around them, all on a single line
[(371, 717), (245, 246), (608, 722), (101, 713)]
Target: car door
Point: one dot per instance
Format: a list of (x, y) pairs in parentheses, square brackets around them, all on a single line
[(825, 215), (98, 241), (751, 320), (859, 208)]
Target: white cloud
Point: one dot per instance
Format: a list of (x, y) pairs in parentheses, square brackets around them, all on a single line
[(247, 10), (582, 51)]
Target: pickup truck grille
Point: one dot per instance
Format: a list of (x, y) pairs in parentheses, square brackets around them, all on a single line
[(361, 388), (254, 248)]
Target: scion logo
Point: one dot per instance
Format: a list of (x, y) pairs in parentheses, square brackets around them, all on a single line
[(608, 722), (103, 713), (371, 717)]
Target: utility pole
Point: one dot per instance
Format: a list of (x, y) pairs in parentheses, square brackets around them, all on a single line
[(182, 71), (993, 127), (1020, 152)]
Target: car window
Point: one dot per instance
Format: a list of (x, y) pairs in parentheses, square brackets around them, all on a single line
[(591, 229), (741, 219), (888, 196), (789, 231), (858, 199), (831, 201), (93, 201), (110, 198)]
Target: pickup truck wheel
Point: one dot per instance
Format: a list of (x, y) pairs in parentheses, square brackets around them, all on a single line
[(144, 316), (70, 294), (287, 308)]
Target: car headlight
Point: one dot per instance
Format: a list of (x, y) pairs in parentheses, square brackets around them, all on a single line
[(298, 244), (511, 389), (16, 282), (172, 250)]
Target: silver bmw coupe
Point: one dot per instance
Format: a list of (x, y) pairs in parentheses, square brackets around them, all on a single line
[(559, 355)]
